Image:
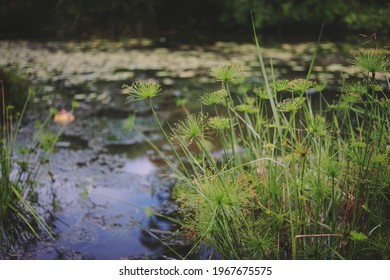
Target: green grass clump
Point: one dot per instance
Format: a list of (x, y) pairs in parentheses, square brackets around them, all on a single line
[(268, 175), (20, 166)]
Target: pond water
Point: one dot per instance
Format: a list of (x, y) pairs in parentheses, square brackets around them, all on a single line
[(106, 181)]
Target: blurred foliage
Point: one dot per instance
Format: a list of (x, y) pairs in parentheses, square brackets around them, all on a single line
[(15, 88), (352, 14), (85, 18)]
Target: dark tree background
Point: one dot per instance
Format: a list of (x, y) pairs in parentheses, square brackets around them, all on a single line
[(196, 19)]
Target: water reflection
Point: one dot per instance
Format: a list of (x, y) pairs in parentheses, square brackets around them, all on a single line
[(140, 165)]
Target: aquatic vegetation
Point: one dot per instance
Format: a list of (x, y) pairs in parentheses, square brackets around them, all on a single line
[(219, 123), (291, 104), (20, 167), (371, 60), (226, 73), (300, 85), (216, 97), (143, 90), (293, 181), (192, 128)]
